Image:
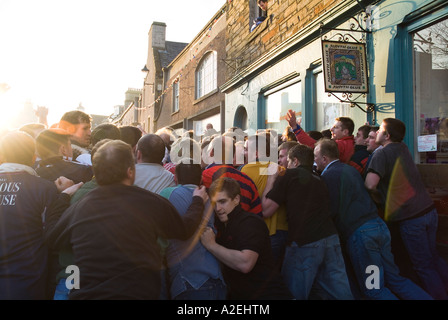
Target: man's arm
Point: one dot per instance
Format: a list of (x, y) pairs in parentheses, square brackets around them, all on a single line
[(269, 206), (301, 135), (371, 183), (242, 261)]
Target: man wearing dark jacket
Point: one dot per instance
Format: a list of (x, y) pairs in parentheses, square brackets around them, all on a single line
[(113, 230)]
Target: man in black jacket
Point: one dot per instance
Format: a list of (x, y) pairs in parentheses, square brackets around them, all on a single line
[(113, 230)]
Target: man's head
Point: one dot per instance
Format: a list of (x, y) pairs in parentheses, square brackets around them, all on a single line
[(185, 148), (300, 155), (33, 129), (263, 4), (188, 172), (105, 131), (150, 149), (17, 147), (225, 196), (53, 142), (167, 135), (325, 151), (113, 162), (371, 141), (77, 123), (209, 126), (221, 150), (283, 150), (130, 135), (258, 147), (391, 130), (343, 127), (362, 136)]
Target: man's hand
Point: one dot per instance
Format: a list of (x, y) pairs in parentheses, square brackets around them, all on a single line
[(208, 237), (292, 120), (201, 192), (63, 183)]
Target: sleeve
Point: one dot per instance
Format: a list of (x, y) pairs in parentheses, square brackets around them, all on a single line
[(173, 226), (55, 225), (278, 191), (377, 164), (304, 137)]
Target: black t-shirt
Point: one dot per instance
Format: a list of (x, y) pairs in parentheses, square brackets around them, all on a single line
[(247, 231), (113, 232), (307, 205), (402, 190)]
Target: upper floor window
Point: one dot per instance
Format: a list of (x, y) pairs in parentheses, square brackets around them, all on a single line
[(206, 75), (175, 96), (258, 11)]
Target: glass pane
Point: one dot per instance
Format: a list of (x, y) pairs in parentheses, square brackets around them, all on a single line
[(431, 92), (278, 103)]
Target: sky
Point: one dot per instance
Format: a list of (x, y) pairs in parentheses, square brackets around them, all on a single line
[(63, 53)]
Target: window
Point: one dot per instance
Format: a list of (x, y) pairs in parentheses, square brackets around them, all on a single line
[(176, 96), (255, 12), (431, 92), (278, 101), (206, 75)]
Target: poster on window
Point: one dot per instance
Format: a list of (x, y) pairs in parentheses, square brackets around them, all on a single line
[(345, 67)]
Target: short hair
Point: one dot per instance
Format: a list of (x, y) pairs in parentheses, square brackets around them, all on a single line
[(374, 128), (365, 129), (18, 147), (223, 146), (49, 141), (111, 162), (328, 148), (76, 117), (225, 184), (303, 153), (130, 135), (33, 129), (105, 131), (395, 128), (316, 135), (326, 133), (188, 173), (347, 123), (98, 145), (152, 148), (287, 145)]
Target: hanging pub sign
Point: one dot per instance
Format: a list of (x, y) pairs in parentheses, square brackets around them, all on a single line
[(345, 67)]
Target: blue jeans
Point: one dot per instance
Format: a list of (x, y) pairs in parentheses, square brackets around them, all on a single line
[(419, 238), (278, 245), (61, 292), (212, 289), (370, 245), (320, 264)]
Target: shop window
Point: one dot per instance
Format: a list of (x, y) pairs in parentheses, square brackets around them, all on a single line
[(430, 59), (175, 96)]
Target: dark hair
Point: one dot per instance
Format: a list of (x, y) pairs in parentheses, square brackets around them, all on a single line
[(374, 128), (49, 141), (76, 117), (303, 154), (33, 129), (152, 148), (111, 162), (98, 145), (395, 128), (328, 148), (105, 131), (18, 147), (326, 133), (365, 129), (347, 123), (316, 135), (287, 145), (228, 185), (130, 135), (188, 173)]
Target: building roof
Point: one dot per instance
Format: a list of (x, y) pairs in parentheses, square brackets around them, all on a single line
[(172, 49)]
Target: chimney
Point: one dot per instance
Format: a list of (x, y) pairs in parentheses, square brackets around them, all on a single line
[(157, 35)]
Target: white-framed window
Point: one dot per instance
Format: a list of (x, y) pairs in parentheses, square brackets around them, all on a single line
[(206, 73), (175, 96)]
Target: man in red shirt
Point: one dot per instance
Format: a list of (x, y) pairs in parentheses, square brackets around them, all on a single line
[(342, 133)]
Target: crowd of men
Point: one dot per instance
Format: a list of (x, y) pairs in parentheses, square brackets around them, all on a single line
[(117, 213)]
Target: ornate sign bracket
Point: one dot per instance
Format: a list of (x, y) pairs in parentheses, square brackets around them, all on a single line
[(344, 61)]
